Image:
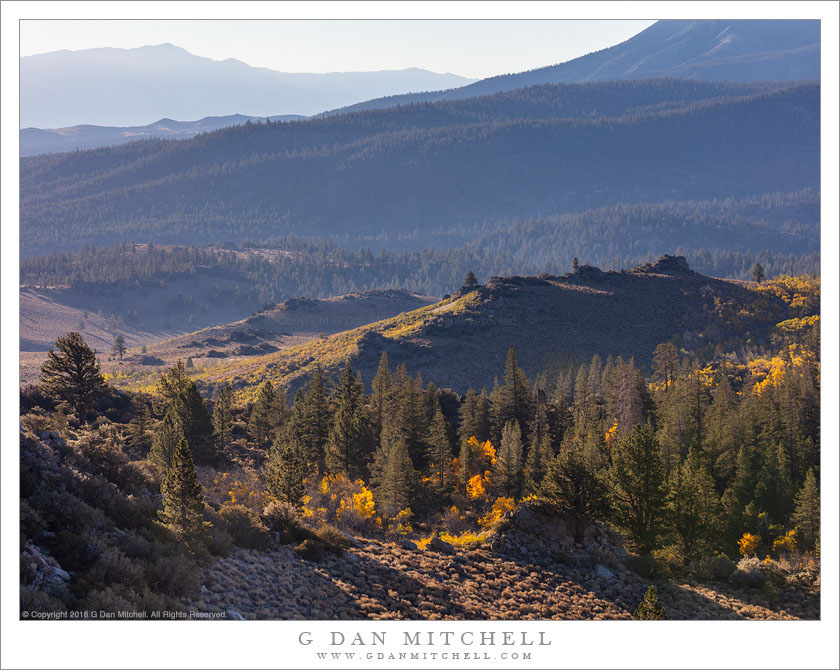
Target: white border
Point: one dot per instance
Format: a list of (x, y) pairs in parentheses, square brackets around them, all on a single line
[(273, 644)]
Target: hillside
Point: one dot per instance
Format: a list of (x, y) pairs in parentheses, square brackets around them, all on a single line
[(379, 174), (55, 140), (135, 86), (277, 327), (273, 328), (462, 341), (741, 50)]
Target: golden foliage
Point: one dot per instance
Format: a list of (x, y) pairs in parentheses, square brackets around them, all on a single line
[(338, 500), (748, 544), (500, 507), (477, 487), (465, 539), (786, 542)]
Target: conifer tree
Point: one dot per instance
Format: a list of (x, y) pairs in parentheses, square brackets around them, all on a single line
[(316, 417), (139, 426), (166, 438), (512, 401), (119, 346), (469, 280), (693, 508), (349, 438), (223, 416), (649, 608), (540, 452), (267, 414), (440, 450), (285, 467), (183, 504), (806, 516), (637, 478), (406, 407), (392, 472), (381, 388), (71, 372), (181, 396), (474, 415), (507, 472), (572, 485)]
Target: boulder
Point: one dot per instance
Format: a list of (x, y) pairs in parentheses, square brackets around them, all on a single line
[(438, 545)]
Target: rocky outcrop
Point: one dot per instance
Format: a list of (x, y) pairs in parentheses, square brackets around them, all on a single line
[(547, 534), (42, 571)]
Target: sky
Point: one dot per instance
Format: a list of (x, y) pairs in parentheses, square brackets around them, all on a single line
[(470, 48)]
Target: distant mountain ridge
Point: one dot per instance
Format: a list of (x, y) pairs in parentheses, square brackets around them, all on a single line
[(128, 87), (735, 51), (54, 140)]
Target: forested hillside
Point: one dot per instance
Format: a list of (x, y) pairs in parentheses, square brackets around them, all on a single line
[(387, 173), (710, 453)]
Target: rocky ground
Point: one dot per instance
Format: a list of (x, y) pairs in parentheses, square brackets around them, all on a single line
[(381, 580)]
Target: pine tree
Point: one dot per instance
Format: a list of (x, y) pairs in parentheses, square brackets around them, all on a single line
[(392, 473), (267, 414), (637, 477), (693, 508), (474, 415), (440, 450), (513, 398), (183, 504), (166, 438), (507, 472), (571, 485), (181, 396), (223, 416), (316, 417), (381, 387), (409, 414), (349, 438), (285, 467), (71, 373), (139, 426), (119, 346), (575, 264), (649, 608), (469, 280), (806, 516), (758, 273)]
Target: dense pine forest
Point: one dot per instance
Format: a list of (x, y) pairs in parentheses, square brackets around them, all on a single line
[(779, 231), (392, 172), (703, 460)]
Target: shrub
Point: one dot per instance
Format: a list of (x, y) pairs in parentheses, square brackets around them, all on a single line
[(245, 527), (114, 567), (310, 549), (715, 568), (219, 541), (644, 566), (748, 544), (669, 561), (109, 599), (467, 539), (280, 515), (174, 575), (334, 540), (32, 599), (500, 507), (755, 574)]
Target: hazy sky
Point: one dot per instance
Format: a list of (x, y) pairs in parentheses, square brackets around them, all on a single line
[(478, 49)]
